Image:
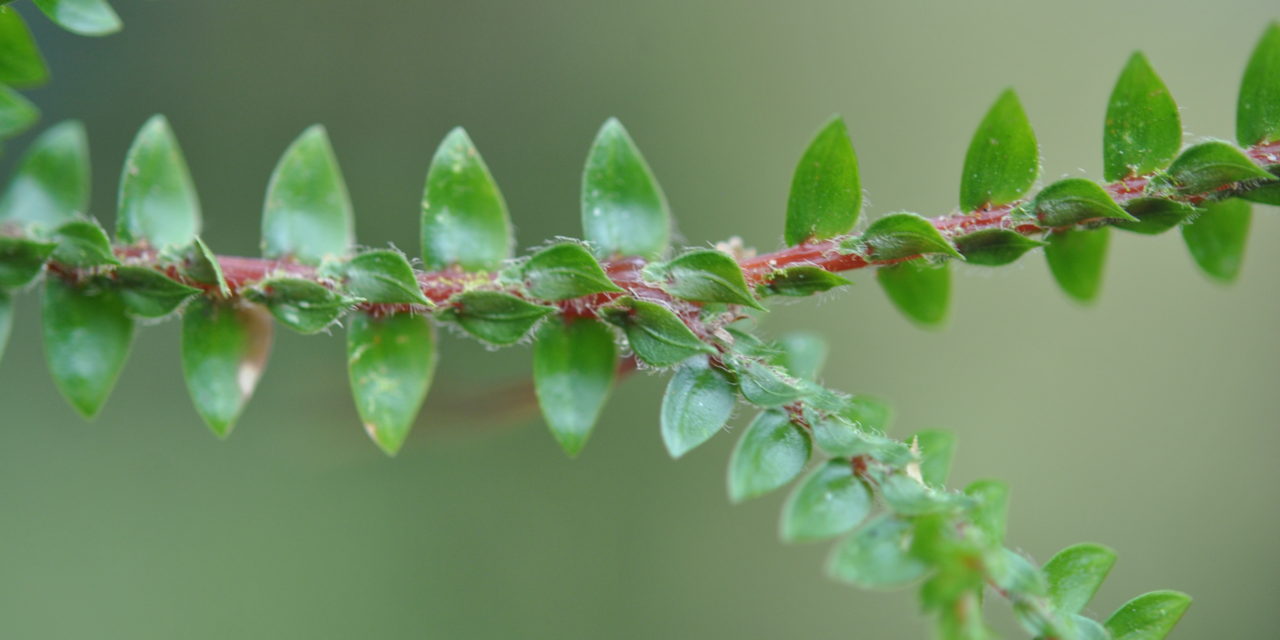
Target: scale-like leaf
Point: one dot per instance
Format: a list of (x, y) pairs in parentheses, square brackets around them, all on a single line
[(1258, 109), (920, 290), (51, 184), (829, 502), (83, 243), (1154, 215), (1210, 165), (826, 196), (900, 235), (1076, 258), (85, 17), (21, 64), (624, 212), (877, 556), (1150, 616), (1142, 131), (1075, 200), (301, 305), (464, 217), (696, 406), (496, 317), (147, 293), (381, 276), (994, 247), (1217, 238), (87, 336), (307, 215), (575, 362), (657, 335), (17, 114), (21, 260), (224, 351), (203, 267), (764, 385), (1075, 573), (801, 281), (771, 452), (390, 361), (707, 275), (565, 271), (158, 204), (1003, 160)]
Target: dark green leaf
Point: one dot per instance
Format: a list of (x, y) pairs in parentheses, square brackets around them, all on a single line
[(307, 215), (801, 281), (657, 335), (21, 64), (381, 276), (994, 247), (202, 266), (877, 556), (147, 293), (575, 362), (707, 275), (936, 448), (1142, 132), (802, 354), (1075, 574), (158, 204), (51, 184), (771, 453), (464, 218), (1003, 161), (1150, 616), (1075, 200), (623, 209), (390, 361), (901, 235), (83, 243), (6, 319), (85, 17), (829, 502), (1217, 237), (1266, 194), (696, 406), (826, 196), (1210, 165), (21, 260), (224, 350), (87, 336), (764, 385), (301, 305), (990, 508), (1076, 258), (1258, 110), (1154, 215), (496, 317), (565, 271), (17, 114), (920, 290)]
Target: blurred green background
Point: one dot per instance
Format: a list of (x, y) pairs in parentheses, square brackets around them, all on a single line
[(1147, 423)]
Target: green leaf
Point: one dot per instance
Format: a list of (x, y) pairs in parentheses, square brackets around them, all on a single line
[(1142, 131), (707, 275), (203, 267), (51, 184), (87, 336), (901, 235), (624, 212), (575, 362), (764, 385), (658, 336), (877, 556), (301, 305), (390, 361), (1075, 574), (17, 114), (771, 453), (147, 293), (1075, 200), (994, 247), (696, 406), (826, 195), (307, 215), (802, 354), (1014, 574), (158, 203), (381, 276), (224, 350), (83, 243), (464, 218), (1154, 215), (906, 496), (829, 502), (841, 436), (1266, 194), (1210, 165), (1003, 161), (1076, 258), (565, 271), (920, 290), (1217, 237), (6, 319), (1258, 110), (990, 508), (937, 448), (21, 64), (868, 413), (85, 17), (1088, 628), (1150, 616), (496, 317), (21, 260), (801, 281)]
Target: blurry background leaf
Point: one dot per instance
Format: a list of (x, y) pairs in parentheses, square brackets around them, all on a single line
[(1217, 236), (1258, 110), (85, 17), (1076, 258), (21, 64), (51, 184), (920, 290)]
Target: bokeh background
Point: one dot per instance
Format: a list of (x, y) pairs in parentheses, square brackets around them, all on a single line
[(1147, 423)]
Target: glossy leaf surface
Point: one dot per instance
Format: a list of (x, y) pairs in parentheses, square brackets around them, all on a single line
[(307, 215), (1210, 165), (920, 290), (1150, 616), (390, 362), (1216, 238), (1075, 573), (496, 317), (1003, 160), (1076, 258), (147, 293), (158, 204), (464, 217), (1075, 200), (994, 247), (697, 404), (1142, 131), (901, 235), (381, 276), (575, 362), (771, 452), (1153, 215), (826, 196), (301, 305), (657, 335), (225, 346), (829, 502), (708, 276), (565, 271), (624, 212), (87, 336), (801, 281)]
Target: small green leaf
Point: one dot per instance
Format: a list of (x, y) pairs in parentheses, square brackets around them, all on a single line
[(307, 215), (1075, 574), (1088, 628), (990, 508), (565, 271), (994, 247), (6, 319), (1142, 131), (937, 448), (158, 204), (624, 212), (696, 406), (51, 184), (1268, 193), (707, 275), (764, 385), (301, 305), (841, 436), (1075, 200), (877, 556), (224, 350), (85, 17), (83, 243), (906, 496), (920, 290), (381, 276), (1210, 165), (21, 64), (575, 362), (1013, 573), (464, 218), (801, 281), (1150, 616), (496, 317), (87, 336), (1076, 258), (1154, 215), (802, 354), (390, 361), (21, 260), (1258, 110), (901, 235), (868, 413), (147, 293), (1217, 237), (17, 114), (771, 453), (203, 267), (658, 336), (826, 195), (829, 502), (1003, 160)]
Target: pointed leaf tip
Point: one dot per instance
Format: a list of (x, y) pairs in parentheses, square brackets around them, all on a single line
[(697, 404), (464, 216), (87, 336), (575, 363), (1258, 108), (158, 205), (1142, 132), (826, 195), (624, 211), (83, 17), (391, 361), (307, 214), (1150, 616), (225, 346), (1003, 160), (51, 185), (1076, 573), (771, 452)]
